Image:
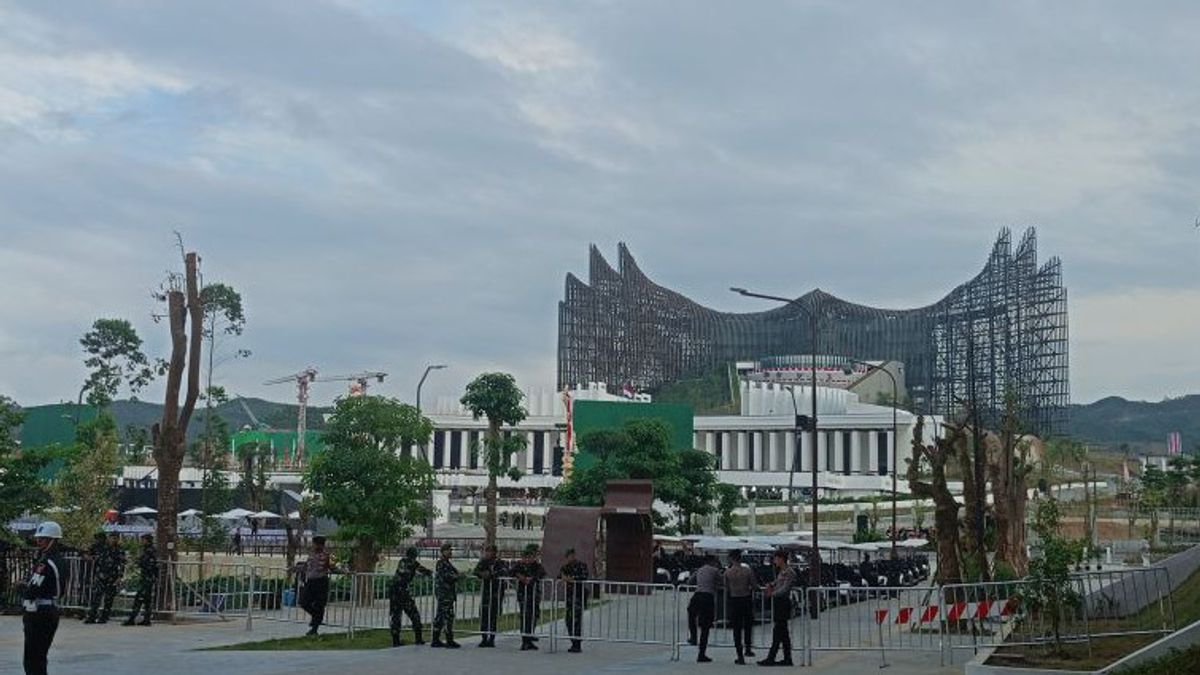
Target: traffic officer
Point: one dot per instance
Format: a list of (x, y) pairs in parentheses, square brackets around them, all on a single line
[(39, 598), (574, 573), (400, 600), (147, 564), (445, 589), (109, 566), (529, 574), (491, 570)]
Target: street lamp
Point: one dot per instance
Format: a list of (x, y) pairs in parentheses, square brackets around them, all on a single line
[(814, 571), (871, 367), (421, 446)]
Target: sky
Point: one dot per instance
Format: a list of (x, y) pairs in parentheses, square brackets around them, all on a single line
[(394, 184)]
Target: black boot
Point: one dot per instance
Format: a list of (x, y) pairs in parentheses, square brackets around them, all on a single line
[(437, 639), (450, 643), (90, 619), (741, 657), (418, 636), (396, 642), (129, 622), (576, 646)]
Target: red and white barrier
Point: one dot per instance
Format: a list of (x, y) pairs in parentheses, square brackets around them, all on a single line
[(1001, 609)]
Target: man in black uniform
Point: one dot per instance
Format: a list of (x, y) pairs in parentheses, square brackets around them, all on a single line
[(529, 573), (108, 564), (574, 573), (400, 600), (491, 570), (147, 564), (39, 598)]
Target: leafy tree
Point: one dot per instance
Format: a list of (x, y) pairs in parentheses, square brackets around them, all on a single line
[(1153, 497), (114, 355), (1060, 453), (1048, 587), (375, 494), (686, 480), (1009, 467), (21, 488), (134, 444), (84, 487), (208, 455), (496, 397)]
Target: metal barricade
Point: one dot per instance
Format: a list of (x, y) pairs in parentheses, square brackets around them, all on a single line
[(873, 618), (207, 590)]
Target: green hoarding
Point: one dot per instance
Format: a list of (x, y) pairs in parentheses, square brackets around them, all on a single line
[(612, 415)]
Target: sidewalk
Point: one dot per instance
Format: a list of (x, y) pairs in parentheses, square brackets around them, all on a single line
[(163, 648)]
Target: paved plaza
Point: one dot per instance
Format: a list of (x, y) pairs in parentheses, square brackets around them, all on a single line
[(175, 649)]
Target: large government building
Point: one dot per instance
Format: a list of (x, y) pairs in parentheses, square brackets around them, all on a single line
[(1002, 332)]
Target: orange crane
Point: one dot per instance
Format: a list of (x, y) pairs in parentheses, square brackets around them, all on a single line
[(302, 379), (358, 381)]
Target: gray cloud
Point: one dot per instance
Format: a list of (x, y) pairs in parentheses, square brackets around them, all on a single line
[(394, 186)]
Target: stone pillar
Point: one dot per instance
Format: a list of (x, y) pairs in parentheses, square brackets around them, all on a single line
[(743, 451), (789, 453)]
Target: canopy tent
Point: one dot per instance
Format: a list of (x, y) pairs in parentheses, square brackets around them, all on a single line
[(913, 543), (190, 513), (294, 515), (141, 511), (720, 544), (264, 514), (234, 514)]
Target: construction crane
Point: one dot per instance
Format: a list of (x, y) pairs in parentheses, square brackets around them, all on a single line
[(302, 379), (358, 381)]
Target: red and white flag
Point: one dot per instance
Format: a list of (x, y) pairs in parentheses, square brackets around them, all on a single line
[(1174, 443)]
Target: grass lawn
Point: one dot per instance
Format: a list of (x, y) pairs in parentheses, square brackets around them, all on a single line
[(1177, 663), (1186, 600)]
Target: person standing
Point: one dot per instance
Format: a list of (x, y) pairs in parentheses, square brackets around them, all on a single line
[(491, 570), (316, 572), (400, 600), (529, 574), (109, 568), (39, 598), (445, 589), (780, 592), (91, 571), (739, 587), (147, 564), (574, 573), (702, 608)]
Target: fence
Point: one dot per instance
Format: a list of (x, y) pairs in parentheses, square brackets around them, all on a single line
[(929, 619)]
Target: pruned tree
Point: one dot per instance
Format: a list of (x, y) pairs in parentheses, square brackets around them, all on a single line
[(932, 459), (185, 318), (496, 397), (974, 552), (1009, 466), (115, 359)]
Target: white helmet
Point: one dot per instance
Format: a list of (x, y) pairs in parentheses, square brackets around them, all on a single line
[(49, 530)]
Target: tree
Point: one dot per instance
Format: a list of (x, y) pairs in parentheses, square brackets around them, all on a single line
[(21, 488), (1154, 497), (1048, 588), (686, 480), (930, 460), (208, 455), (496, 397), (1009, 466), (83, 489), (1175, 484), (185, 317), (375, 494), (114, 355)]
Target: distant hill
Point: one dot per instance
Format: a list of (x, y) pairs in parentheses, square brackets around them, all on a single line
[(1114, 420)]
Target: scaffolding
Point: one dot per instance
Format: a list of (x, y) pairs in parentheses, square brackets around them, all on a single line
[(1002, 333)]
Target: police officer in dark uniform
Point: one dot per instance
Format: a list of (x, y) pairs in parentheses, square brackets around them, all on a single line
[(39, 598), (108, 560), (400, 600), (445, 589), (574, 573), (529, 574), (491, 570), (147, 564)]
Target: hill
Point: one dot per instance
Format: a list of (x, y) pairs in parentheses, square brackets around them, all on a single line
[(1114, 420)]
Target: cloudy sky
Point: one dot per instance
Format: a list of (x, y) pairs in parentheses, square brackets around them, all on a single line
[(392, 184)]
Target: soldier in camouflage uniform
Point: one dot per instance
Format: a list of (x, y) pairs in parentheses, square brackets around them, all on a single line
[(400, 600), (491, 570), (147, 564), (108, 560), (574, 573), (445, 582), (529, 573)]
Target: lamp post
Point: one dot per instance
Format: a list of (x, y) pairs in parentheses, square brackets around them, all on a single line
[(895, 436), (424, 455), (814, 570)]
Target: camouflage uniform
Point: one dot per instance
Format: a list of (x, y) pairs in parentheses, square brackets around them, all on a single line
[(400, 600), (445, 580), (529, 598), (147, 565), (491, 597), (576, 599), (108, 564)]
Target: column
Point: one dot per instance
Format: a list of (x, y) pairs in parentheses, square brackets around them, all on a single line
[(761, 450), (710, 443), (773, 458), (548, 452), (789, 450), (823, 452), (529, 449), (743, 451), (728, 452), (856, 465)]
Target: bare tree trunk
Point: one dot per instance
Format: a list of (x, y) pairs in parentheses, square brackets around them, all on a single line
[(495, 457), (184, 312), (946, 507)]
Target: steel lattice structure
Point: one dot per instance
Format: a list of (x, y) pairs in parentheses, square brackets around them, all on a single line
[(1003, 331)]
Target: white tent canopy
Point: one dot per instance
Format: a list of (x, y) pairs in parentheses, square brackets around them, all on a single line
[(234, 514), (294, 515), (190, 513), (264, 514), (141, 511), (913, 543)]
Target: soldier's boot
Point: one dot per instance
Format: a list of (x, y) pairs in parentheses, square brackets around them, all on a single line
[(91, 618), (450, 643), (483, 641), (130, 621), (741, 655), (787, 656), (576, 646), (437, 638), (396, 642), (418, 638)]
